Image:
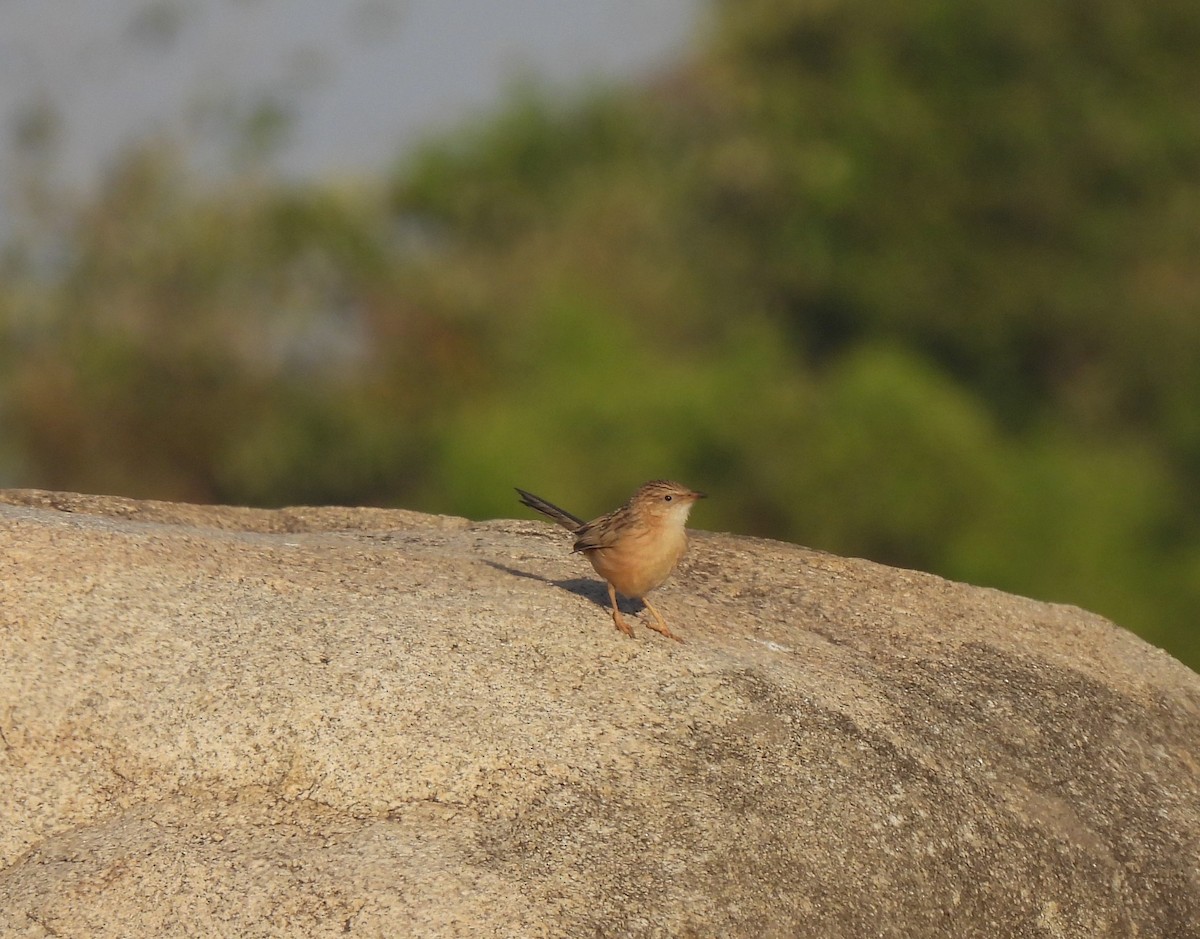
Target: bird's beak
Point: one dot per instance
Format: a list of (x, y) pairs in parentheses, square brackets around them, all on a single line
[(698, 495)]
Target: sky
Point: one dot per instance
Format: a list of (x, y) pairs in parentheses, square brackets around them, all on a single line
[(355, 82)]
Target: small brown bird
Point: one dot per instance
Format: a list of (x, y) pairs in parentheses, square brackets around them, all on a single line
[(635, 547)]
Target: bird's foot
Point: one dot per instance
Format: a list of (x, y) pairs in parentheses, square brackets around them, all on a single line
[(659, 625), (664, 630), (621, 624)]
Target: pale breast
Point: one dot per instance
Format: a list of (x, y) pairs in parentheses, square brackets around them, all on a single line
[(639, 563)]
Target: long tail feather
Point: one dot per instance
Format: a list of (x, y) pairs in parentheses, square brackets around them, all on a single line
[(549, 509)]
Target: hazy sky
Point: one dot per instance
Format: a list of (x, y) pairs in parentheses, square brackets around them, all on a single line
[(357, 79)]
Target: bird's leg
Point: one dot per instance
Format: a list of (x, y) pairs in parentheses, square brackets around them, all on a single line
[(618, 619), (662, 623)]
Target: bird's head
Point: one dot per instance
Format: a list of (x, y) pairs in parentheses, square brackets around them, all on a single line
[(667, 500)]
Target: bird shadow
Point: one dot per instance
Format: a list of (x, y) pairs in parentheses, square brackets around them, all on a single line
[(594, 590)]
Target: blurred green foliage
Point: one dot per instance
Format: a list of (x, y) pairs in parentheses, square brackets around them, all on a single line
[(919, 282)]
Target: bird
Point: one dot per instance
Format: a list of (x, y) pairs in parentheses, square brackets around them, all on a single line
[(635, 547)]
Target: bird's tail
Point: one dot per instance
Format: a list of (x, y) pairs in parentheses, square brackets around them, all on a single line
[(549, 509)]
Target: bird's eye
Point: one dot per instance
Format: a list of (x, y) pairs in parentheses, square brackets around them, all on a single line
[(667, 498)]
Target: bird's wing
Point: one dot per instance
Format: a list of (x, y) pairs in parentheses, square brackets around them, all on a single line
[(597, 533)]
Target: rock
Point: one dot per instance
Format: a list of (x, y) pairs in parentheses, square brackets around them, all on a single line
[(327, 722)]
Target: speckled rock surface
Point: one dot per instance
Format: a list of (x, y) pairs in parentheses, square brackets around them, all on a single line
[(331, 722)]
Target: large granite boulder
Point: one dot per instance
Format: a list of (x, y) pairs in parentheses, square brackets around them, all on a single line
[(330, 722)]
